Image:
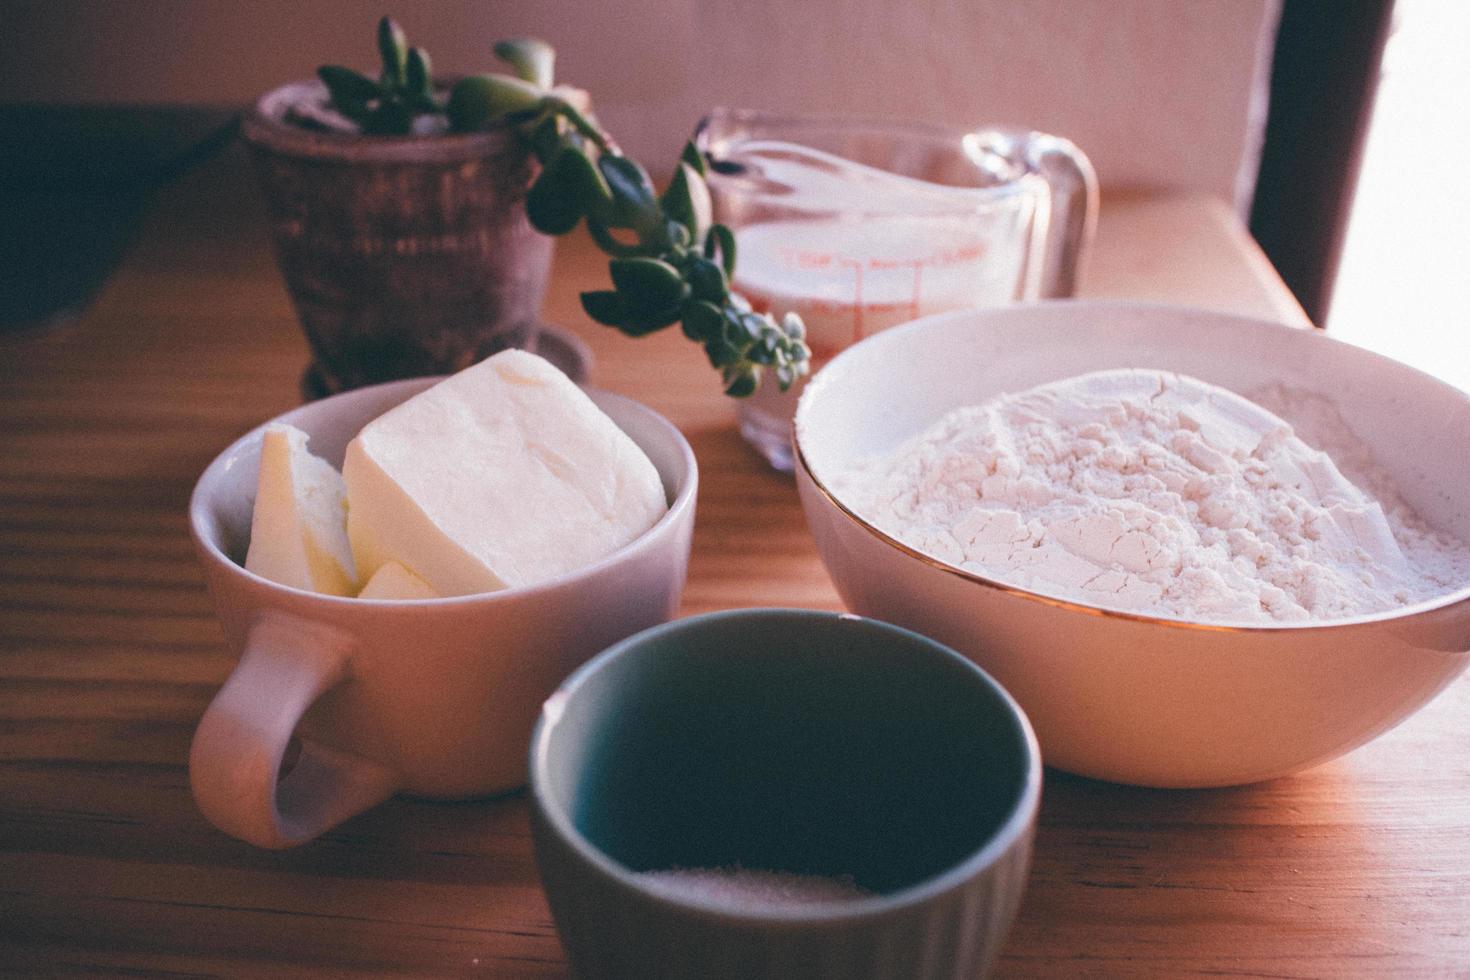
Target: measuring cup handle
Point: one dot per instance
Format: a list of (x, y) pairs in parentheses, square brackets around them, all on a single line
[(1073, 214)]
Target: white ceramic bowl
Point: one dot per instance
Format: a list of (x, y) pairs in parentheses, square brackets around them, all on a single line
[(1121, 696)]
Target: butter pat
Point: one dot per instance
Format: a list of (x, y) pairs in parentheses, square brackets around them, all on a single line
[(298, 532), (393, 581), (503, 475)]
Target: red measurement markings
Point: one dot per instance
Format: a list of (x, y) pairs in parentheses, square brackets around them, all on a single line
[(918, 267), (816, 260), (918, 282), (857, 297), (806, 259)]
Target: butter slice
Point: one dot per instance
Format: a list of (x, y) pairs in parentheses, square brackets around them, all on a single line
[(503, 475), (393, 581), (298, 532)]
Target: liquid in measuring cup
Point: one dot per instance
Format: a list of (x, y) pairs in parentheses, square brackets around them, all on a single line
[(860, 225), (852, 276)]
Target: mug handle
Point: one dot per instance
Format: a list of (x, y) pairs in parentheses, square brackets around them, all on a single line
[(1073, 218), (1066, 221), (235, 760)]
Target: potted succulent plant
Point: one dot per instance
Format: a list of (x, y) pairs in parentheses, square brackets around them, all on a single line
[(413, 219)]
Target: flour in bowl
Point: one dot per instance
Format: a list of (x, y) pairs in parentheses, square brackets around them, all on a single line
[(1157, 493)]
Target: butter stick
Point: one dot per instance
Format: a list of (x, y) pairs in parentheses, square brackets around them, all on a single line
[(503, 475), (298, 531), (393, 581)]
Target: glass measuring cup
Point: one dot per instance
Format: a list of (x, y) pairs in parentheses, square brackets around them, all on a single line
[(859, 225)]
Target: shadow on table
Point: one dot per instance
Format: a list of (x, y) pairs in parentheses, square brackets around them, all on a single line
[(74, 183)]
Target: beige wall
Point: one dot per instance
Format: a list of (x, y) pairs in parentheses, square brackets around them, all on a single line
[(1161, 93)]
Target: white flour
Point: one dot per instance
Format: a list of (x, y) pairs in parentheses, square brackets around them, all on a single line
[(1155, 492)]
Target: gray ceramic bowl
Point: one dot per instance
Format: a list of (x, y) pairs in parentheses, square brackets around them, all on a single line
[(793, 741)]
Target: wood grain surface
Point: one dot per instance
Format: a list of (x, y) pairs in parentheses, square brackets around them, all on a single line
[(109, 652)]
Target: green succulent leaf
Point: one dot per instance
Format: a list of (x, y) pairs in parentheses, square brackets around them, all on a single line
[(393, 48), (585, 182), (678, 237), (532, 59), (358, 112), (694, 158), (642, 324), (392, 117), (481, 101), (744, 330), (708, 281), (546, 138), (687, 201), (701, 319), (721, 241), (551, 204), (634, 205), (419, 83), (721, 353), (584, 127), (742, 383), (649, 286), (605, 306), (347, 87)]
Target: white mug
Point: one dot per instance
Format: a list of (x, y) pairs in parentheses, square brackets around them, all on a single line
[(434, 697)]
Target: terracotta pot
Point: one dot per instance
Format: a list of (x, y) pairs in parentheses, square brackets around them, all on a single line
[(405, 256)]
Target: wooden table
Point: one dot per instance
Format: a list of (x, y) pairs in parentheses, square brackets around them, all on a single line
[(109, 652)]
